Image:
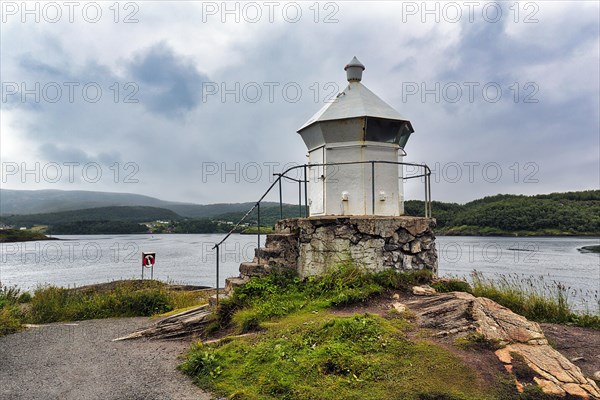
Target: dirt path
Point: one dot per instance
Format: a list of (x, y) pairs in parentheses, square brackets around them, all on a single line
[(79, 361)]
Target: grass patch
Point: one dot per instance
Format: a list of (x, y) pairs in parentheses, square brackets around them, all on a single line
[(321, 356), (123, 299), (534, 299), (451, 285), (116, 299), (475, 341), (301, 350), (278, 295), (253, 230)]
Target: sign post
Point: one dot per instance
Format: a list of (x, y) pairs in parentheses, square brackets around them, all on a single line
[(148, 260)]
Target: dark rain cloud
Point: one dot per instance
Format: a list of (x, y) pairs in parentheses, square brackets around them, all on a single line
[(172, 133), (169, 83)]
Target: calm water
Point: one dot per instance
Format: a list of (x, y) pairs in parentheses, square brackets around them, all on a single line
[(81, 260)]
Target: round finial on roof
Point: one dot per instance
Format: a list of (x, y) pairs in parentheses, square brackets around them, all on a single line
[(354, 70)]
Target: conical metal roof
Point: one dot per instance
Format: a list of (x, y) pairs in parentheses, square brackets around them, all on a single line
[(355, 101)]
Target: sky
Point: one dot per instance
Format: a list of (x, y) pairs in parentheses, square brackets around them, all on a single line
[(200, 101)]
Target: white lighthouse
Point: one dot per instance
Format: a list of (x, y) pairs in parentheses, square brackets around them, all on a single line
[(357, 127), (353, 190)]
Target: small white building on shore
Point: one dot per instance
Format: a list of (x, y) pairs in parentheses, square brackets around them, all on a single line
[(356, 127)]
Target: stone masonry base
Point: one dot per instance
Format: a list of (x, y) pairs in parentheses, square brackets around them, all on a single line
[(312, 245)]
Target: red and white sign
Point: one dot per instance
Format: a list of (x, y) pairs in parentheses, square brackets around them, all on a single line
[(148, 259)]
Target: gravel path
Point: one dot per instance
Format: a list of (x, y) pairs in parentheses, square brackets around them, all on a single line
[(79, 361)]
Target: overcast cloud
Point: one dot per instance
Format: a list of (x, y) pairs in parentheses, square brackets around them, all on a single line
[(162, 98)]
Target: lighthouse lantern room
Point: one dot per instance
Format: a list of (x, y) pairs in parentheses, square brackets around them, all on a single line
[(343, 140)]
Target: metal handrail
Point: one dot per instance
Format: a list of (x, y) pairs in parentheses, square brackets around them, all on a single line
[(426, 174)]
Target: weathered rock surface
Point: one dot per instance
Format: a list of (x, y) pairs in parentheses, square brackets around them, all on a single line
[(423, 290), (453, 313), (186, 323), (399, 307)]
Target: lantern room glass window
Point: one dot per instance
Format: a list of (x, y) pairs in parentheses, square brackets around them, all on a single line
[(387, 131)]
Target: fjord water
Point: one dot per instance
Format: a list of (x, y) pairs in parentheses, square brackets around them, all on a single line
[(190, 259)]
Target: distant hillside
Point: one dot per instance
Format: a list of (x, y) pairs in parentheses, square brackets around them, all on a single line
[(213, 210), (47, 201), (98, 228), (570, 213), (269, 214), (122, 214), (51, 201)]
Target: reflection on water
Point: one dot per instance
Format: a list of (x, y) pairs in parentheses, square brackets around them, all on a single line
[(80, 260)]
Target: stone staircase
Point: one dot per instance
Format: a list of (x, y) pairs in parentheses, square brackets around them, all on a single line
[(280, 253), (308, 246)]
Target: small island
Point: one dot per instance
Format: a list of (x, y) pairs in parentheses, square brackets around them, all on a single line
[(590, 249), (22, 235)]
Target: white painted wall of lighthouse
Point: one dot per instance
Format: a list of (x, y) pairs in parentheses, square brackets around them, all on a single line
[(316, 183), (326, 196)]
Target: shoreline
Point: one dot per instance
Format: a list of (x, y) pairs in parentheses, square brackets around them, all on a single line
[(565, 235), (17, 235)]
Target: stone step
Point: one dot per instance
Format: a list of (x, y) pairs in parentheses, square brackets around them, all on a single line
[(232, 283), (277, 237), (212, 300), (266, 253), (250, 269)]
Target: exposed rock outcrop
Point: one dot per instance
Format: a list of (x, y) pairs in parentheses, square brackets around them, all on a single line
[(517, 339)]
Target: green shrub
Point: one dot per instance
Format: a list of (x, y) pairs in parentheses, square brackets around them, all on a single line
[(52, 304), (25, 297), (10, 319), (202, 361), (451, 285), (11, 316), (247, 320), (117, 299), (9, 295), (123, 299), (392, 279)]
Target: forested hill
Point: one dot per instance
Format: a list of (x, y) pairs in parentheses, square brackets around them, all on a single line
[(570, 213), (121, 214)]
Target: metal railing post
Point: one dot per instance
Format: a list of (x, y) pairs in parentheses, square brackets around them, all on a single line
[(299, 199), (258, 223), (426, 195), (280, 199), (429, 190), (217, 247), (305, 191)]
